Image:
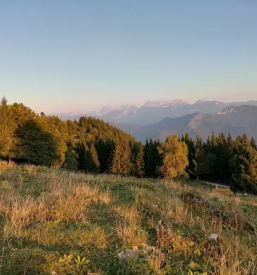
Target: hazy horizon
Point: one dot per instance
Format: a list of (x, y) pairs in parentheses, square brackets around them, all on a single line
[(225, 99), (62, 56)]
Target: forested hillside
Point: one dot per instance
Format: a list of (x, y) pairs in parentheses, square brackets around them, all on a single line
[(93, 146), (88, 144)]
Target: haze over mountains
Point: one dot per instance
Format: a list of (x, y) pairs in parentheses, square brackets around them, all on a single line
[(157, 119)]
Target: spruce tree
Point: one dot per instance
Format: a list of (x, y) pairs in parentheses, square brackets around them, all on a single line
[(198, 157), (253, 143), (244, 166), (71, 162), (191, 155), (152, 158), (121, 159), (93, 164), (140, 161)]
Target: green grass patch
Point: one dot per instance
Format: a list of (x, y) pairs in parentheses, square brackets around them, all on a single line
[(57, 222)]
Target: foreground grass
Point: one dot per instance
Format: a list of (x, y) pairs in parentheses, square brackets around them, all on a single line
[(56, 222)]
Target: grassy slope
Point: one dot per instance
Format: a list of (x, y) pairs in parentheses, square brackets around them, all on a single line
[(46, 214)]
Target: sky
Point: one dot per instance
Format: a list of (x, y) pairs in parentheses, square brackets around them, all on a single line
[(67, 55)]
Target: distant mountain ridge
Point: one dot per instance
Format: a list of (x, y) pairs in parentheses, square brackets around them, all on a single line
[(235, 120), (154, 111)]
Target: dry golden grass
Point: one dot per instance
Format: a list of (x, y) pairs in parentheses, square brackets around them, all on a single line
[(46, 214), (5, 165)]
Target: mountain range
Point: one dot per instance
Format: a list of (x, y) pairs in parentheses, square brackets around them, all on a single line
[(158, 119), (153, 111), (235, 120)]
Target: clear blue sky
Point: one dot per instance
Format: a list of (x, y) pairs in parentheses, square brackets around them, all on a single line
[(63, 55)]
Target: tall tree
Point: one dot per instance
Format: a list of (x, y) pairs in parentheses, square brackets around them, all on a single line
[(191, 155), (7, 129), (93, 164), (71, 157), (244, 167), (140, 161), (198, 158), (253, 143), (152, 158), (174, 154), (36, 146), (121, 159)]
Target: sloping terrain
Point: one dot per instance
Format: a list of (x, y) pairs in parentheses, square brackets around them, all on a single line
[(235, 120), (56, 222), (195, 124), (239, 116)]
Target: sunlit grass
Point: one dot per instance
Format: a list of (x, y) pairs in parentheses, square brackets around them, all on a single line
[(46, 214)]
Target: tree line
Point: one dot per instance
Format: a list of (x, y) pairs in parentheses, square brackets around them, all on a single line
[(94, 146)]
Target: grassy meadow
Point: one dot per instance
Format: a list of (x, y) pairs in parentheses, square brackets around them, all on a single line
[(57, 222)]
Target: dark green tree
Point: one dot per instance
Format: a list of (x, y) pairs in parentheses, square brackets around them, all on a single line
[(244, 166), (198, 157), (36, 146), (71, 157), (93, 164), (152, 158), (140, 161)]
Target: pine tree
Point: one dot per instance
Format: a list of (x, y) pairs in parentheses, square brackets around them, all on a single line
[(223, 155), (209, 164), (140, 161), (213, 140), (121, 159), (81, 151), (116, 161), (198, 157), (253, 143), (105, 151), (152, 158), (244, 166), (71, 162), (191, 155), (93, 164)]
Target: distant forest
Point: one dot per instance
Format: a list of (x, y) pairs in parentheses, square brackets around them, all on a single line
[(94, 146)]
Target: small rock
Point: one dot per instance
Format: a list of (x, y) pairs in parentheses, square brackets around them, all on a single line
[(213, 237), (176, 222)]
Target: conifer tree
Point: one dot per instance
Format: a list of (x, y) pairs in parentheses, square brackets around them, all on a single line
[(116, 167), (209, 164), (253, 143), (71, 162), (198, 158), (244, 166), (152, 158), (213, 140), (121, 159), (93, 164), (140, 161), (191, 155)]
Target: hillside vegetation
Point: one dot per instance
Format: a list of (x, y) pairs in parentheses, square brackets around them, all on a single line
[(58, 222), (94, 146)]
